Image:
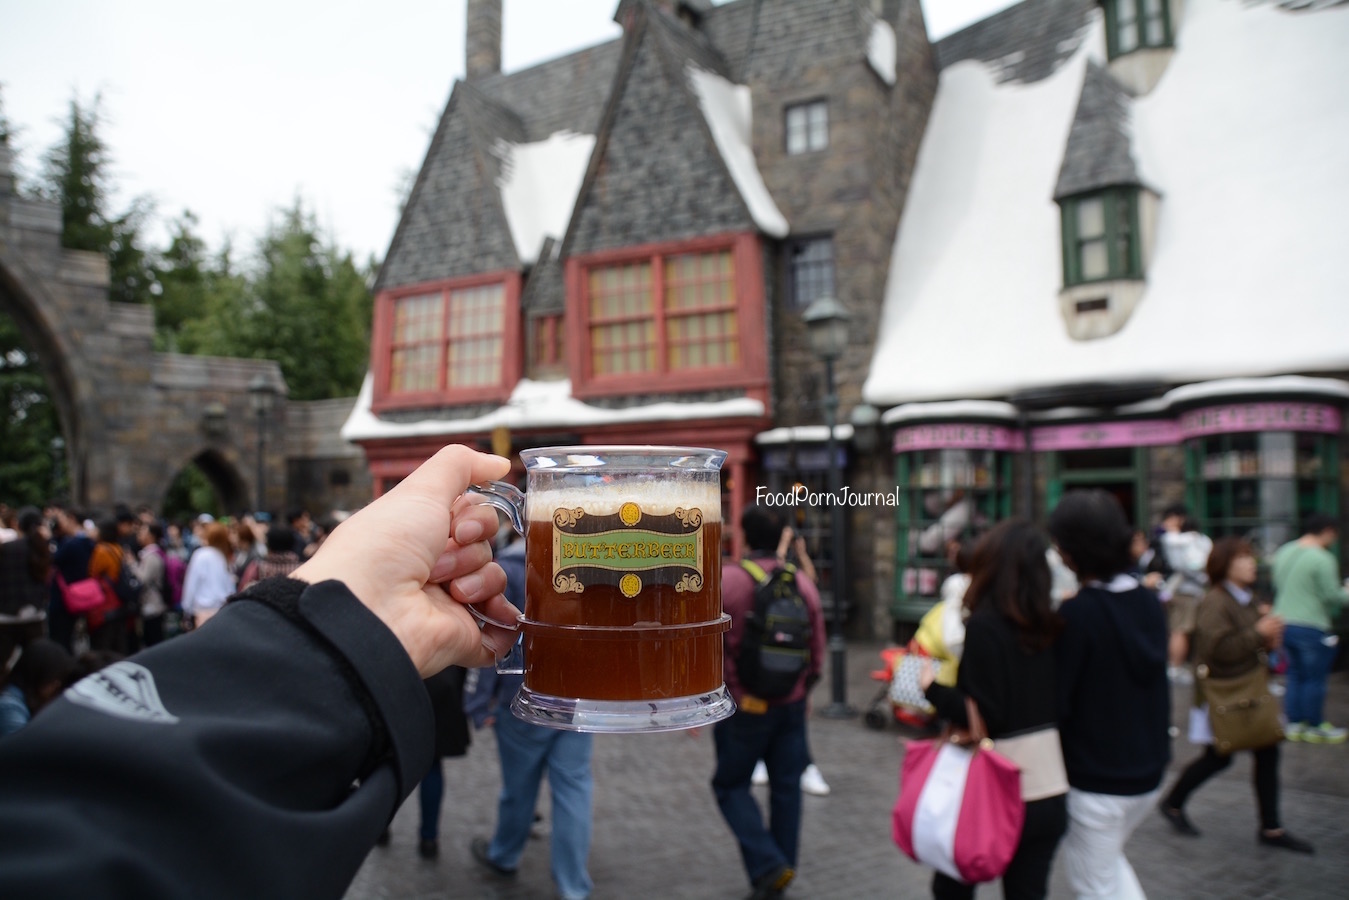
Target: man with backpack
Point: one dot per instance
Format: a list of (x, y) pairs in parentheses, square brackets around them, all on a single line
[(774, 652)]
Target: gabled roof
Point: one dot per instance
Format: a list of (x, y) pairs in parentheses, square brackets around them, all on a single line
[(1240, 138), (454, 222), (1098, 154), (635, 170), (1026, 42)]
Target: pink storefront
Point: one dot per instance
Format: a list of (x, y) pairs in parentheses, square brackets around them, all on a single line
[(1251, 457)]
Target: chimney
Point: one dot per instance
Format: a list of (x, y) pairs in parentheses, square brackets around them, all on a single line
[(483, 43)]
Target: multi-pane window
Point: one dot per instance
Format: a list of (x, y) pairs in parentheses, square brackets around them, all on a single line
[(417, 326), (1134, 24), (807, 127), (1100, 236), (460, 333), (545, 344), (474, 337), (700, 314), (622, 319), (810, 273), (689, 320)]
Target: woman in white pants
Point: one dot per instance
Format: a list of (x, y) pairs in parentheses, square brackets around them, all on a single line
[(1114, 702)]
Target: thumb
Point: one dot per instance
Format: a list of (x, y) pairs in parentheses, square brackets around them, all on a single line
[(451, 471)]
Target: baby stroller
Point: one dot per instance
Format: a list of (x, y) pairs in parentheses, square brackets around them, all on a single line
[(900, 697)]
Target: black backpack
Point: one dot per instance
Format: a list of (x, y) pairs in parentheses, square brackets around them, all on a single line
[(128, 587), (775, 649)]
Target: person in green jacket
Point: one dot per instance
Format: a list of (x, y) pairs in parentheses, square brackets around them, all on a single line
[(1308, 596)]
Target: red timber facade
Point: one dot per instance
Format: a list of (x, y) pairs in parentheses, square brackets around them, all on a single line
[(678, 316), (617, 246)]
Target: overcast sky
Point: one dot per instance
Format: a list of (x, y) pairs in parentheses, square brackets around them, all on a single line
[(233, 110)]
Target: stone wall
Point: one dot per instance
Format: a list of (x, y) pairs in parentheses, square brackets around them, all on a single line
[(133, 418)]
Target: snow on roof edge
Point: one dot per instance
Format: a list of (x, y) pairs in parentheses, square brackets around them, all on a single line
[(952, 409), (727, 109), (536, 404), (804, 433), (1278, 384), (881, 51)]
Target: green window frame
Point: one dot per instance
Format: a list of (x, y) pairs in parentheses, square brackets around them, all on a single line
[(1132, 25), (1062, 477), (986, 478), (1100, 236), (1262, 485)]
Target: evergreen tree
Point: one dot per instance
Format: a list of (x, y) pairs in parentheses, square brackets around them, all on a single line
[(307, 306), (31, 467), (30, 447), (75, 175)]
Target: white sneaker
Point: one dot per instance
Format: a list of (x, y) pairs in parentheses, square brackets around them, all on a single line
[(812, 782), (760, 775)]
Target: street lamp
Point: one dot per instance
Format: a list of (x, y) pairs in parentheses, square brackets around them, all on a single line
[(261, 394), (827, 324)]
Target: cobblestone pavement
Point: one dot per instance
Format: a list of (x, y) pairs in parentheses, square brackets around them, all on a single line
[(658, 833)]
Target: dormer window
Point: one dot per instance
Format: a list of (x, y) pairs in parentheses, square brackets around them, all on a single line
[(1100, 236), (1136, 24)]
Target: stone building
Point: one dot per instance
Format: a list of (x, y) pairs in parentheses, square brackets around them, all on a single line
[(131, 418), (1118, 268), (617, 246)]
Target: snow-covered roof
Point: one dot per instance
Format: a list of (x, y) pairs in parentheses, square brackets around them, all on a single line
[(804, 434), (1283, 385), (881, 49), (1243, 140), (536, 404), (727, 108), (952, 410), (539, 182)]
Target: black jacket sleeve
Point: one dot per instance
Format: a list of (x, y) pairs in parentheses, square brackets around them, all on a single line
[(258, 756), (982, 675)]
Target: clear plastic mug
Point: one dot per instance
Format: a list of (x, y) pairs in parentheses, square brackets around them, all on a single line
[(622, 629)]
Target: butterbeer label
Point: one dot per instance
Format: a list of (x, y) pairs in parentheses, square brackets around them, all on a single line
[(629, 549)]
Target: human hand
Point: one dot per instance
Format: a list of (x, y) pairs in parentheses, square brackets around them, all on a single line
[(1152, 580), (417, 555), (1270, 627)]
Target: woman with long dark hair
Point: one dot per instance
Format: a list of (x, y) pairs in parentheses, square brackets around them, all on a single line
[(1231, 632), (1008, 670)]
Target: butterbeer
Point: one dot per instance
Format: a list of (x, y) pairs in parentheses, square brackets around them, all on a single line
[(623, 592)]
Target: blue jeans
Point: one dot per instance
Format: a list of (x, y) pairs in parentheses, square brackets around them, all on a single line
[(778, 737), (525, 751), (430, 792), (1309, 661)]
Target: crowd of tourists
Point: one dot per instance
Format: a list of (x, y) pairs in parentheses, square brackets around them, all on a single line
[(79, 589), (1074, 685), (1076, 689)]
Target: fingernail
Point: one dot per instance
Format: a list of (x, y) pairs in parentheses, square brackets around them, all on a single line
[(468, 532), (470, 585)]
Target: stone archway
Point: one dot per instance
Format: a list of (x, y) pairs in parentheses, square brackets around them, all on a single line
[(129, 415), (223, 473)]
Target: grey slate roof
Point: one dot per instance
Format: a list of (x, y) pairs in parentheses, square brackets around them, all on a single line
[(1030, 40), (1099, 153)]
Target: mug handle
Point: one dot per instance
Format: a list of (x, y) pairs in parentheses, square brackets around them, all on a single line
[(510, 500)]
